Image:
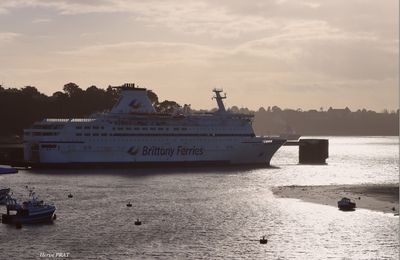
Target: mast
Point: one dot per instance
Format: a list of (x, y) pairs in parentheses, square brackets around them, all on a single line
[(219, 98)]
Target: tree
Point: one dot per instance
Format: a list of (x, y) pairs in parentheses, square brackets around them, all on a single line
[(261, 110), (72, 89), (153, 97), (234, 109), (275, 109), (30, 91), (167, 106)]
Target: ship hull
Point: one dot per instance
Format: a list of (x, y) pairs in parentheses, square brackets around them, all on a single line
[(16, 219), (141, 155)]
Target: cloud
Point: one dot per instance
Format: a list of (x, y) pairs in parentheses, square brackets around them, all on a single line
[(269, 46), (144, 52), (190, 17), (41, 20), (8, 37), (230, 19)]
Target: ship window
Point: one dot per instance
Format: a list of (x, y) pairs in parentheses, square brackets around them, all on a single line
[(78, 127), (49, 146), (96, 134), (120, 128), (183, 128), (144, 128), (95, 127), (87, 127), (128, 128), (152, 128), (176, 128), (160, 128), (27, 133), (79, 134), (102, 127), (87, 134), (137, 128), (103, 134), (49, 134)]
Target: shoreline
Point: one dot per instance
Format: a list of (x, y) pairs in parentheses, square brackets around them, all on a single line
[(378, 197)]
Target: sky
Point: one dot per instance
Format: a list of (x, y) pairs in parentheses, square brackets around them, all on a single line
[(294, 54)]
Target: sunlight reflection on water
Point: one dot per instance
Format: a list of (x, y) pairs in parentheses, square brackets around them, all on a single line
[(211, 213)]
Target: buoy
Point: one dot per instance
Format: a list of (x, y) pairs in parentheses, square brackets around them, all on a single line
[(263, 240), (138, 222), (70, 195), (129, 205), (18, 225), (394, 209)]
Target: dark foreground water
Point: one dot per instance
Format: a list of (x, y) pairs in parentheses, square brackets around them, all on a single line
[(210, 213)]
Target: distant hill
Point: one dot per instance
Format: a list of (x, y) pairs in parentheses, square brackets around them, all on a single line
[(332, 122)]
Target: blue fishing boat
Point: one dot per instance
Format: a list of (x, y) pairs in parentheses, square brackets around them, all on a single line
[(28, 212)]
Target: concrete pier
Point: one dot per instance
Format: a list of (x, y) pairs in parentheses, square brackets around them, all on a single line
[(311, 151)]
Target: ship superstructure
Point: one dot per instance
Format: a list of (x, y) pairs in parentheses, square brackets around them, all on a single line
[(133, 133)]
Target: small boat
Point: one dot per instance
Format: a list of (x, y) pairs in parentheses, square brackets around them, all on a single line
[(129, 204), (7, 170), (138, 222), (263, 240), (345, 204), (70, 195), (3, 195), (29, 212)]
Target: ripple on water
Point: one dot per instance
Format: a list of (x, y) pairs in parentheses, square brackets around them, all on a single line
[(210, 213)]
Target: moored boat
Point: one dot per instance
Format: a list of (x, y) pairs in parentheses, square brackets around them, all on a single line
[(135, 134), (28, 212), (7, 170), (3, 195), (345, 204)]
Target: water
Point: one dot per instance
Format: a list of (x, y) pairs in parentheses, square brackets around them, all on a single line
[(211, 213)]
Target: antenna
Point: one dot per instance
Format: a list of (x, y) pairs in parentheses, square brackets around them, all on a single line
[(219, 98)]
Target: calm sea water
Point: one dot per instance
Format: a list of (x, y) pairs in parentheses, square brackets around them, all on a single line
[(210, 213)]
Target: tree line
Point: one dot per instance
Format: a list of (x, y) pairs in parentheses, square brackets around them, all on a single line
[(336, 122), (20, 108)]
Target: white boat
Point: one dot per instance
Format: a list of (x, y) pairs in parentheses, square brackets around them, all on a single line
[(134, 134), (29, 212)]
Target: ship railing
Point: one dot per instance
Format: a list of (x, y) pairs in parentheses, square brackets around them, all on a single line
[(66, 120), (57, 120), (83, 119)]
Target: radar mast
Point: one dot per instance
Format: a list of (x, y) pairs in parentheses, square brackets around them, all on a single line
[(219, 98)]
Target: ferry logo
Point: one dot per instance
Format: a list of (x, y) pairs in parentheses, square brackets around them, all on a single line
[(133, 150), (135, 104)]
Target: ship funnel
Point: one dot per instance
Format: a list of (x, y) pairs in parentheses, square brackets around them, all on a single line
[(132, 100)]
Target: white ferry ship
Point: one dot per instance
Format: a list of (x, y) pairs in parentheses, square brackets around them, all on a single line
[(134, 134)]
